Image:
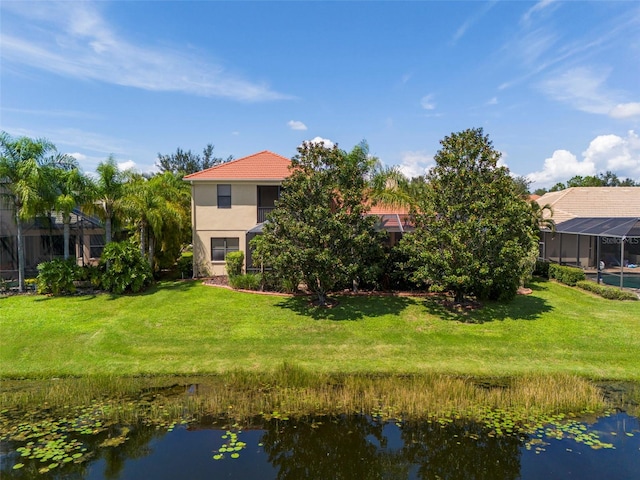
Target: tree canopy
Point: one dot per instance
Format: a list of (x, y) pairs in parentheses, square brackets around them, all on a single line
[(22, 163), (319, 231), (473, 228), (606, 179), (184, 163)]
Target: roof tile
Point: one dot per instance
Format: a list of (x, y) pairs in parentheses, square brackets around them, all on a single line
[(263, 165), (593, 202)]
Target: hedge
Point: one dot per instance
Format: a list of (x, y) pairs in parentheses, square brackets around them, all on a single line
[(567, 275), (612, 293), (541, 268)]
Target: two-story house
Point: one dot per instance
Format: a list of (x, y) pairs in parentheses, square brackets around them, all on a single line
[(229, 200)]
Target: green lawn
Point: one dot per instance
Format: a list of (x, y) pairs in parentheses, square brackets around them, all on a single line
[(189, 328)]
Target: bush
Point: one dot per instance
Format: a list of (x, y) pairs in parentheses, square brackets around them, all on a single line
[(612, 293), (126, 269), (567, 275), (57, 276), (541, 268), (91, 274), (234, 262), (250, 281), (185, 265)]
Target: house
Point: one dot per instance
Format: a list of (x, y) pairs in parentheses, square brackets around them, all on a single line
[(230, 202), (593, 225), (227, 201), (44, 241)]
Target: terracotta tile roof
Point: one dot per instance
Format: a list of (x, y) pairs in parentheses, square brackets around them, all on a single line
[(263, 165), (384, 209), (593, 202)]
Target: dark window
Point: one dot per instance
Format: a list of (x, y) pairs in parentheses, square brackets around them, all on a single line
[(96, 246), (224, 196), (221, 246)]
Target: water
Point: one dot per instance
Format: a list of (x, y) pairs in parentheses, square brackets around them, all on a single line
[(353, 447)]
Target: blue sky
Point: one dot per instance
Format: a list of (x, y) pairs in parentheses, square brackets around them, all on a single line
[(555, 85)]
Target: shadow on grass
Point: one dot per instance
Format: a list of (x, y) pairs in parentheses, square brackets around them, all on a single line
[(170, 286), (174, 286), (348, 308), (522, 307)]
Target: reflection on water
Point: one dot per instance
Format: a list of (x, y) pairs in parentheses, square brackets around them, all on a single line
[(348, 447)]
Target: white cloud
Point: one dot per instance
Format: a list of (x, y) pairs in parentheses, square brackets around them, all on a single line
[(541, 5), (470, 21), (296, 125), (426, 102), (72, 39), (327, 143), (492, 101), (582, 88), (625, 110), (415, 163), (80, 157), (560, 167), (621, 155), (585, 89), (618, 154), (127, 165)]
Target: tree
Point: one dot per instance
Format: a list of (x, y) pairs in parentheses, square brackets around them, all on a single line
[(184, 163), (157, 208), (606, 179), (319, 231), (21, 163), (542, 216), (473, 229), (106, 195), (69, 188)]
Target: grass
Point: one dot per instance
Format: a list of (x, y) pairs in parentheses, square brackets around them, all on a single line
[(185, 328), (290, 390)]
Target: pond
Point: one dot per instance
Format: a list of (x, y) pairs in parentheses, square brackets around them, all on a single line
[(100, 441)]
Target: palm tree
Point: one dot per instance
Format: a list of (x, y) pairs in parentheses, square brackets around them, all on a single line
[(22, 161), (71, 189), (106, 195), (541, 216), (155, 208)]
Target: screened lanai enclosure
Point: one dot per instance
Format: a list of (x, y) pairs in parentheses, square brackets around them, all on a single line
[(606, 248), (44, 241)]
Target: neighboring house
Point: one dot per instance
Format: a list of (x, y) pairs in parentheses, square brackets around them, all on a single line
[(593, 224), (230, 202), (44, 241)]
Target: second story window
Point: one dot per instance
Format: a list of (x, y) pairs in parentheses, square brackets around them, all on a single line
[(224, 196)]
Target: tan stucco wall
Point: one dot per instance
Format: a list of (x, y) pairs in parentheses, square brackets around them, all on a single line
[(209, 221)]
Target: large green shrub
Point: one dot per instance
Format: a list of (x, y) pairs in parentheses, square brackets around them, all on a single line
[(57, 276), (91, 274), (541, 268), (234, 262), (126, 270), (567, 275), (250, 281), (605, 291), (185, 265)]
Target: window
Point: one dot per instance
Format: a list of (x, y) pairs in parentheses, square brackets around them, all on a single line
[(221, 246), (224, 196), (96, 246)]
